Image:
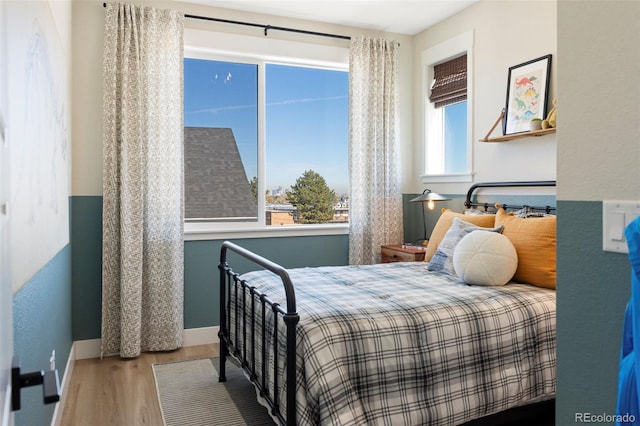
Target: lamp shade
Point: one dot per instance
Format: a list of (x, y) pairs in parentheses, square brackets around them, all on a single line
[(429, 195)]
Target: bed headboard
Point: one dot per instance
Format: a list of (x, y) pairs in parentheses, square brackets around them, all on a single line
[(486, 206)]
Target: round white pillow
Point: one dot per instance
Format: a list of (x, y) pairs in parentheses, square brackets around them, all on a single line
[(485, 258)]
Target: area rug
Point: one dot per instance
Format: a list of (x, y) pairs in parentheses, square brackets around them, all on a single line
[(190, 394)]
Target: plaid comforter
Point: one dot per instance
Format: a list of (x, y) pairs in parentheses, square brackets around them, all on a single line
[(395, 344)]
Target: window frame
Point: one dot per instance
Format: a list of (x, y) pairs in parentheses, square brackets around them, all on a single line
[(433, 117), (199, 44)]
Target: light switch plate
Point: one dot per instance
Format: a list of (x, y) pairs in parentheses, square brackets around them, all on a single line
[(616, 216)]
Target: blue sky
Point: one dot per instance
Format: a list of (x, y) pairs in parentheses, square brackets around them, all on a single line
[(306, 117), (456, 138)]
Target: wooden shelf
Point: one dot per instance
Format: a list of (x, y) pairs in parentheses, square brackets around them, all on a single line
[(515, 135), (520, 135)]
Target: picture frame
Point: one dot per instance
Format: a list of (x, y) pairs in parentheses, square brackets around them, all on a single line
[(527, 94)]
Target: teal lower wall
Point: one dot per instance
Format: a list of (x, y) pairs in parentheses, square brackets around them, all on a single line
[(61, 303), (200, 263), (592, 293), (86, 266), (201, 260), (593, 289), (201, 275), (42, 323)]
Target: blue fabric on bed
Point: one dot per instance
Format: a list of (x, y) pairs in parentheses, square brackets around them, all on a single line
[(628, 412)]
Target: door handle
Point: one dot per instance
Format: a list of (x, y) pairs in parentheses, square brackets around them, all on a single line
[(48, 379)]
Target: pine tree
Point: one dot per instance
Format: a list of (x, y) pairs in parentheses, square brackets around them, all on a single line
[(312, 198), (254, 187)]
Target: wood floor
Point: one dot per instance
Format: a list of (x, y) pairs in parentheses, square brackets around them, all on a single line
[(115, 391)]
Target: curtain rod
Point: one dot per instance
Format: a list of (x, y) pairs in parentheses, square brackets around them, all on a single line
[(265, 27)]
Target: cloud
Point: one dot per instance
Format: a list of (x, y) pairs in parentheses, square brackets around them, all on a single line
[(277, 103), (305, 100), (219, 109)]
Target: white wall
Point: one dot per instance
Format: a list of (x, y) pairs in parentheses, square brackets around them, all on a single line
[(88, 26), (37, 116), (506, 33), (599, 153)]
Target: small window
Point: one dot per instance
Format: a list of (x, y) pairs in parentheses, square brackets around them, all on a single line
[(447, 94), (455, 137), (449, 82)]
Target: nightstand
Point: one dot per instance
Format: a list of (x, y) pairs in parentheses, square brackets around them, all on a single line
[(400, 253)]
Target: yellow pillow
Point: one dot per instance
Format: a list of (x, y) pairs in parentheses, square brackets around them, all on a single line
[(444, 223), (535, 241)]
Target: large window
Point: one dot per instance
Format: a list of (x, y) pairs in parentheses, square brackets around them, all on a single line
[(266, 143), (447, 94)]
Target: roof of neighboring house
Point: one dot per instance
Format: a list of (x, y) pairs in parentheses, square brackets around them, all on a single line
[(216, 185)]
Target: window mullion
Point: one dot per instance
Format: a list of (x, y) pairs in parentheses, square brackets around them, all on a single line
[(262, 143)]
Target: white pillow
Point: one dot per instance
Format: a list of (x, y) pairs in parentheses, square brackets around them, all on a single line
[(442, 260), (485, 258)]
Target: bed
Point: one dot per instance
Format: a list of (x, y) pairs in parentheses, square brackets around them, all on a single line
[(394, 343)]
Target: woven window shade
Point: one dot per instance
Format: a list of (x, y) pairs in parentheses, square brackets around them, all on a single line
[(450, 84)]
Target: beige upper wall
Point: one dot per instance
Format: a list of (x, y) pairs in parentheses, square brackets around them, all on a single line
[(506, 33), (88, 26), (500, 42), (599, 134)]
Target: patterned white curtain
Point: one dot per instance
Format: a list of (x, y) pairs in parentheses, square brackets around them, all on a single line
[(375, 212), (143, 251)]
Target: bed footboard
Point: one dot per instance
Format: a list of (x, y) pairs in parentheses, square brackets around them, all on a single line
[(231, 282)]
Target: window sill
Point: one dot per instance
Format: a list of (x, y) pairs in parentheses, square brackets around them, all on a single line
[(447, 178), (197, 232)]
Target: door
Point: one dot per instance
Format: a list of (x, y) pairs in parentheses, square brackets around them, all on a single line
[(6, 294)]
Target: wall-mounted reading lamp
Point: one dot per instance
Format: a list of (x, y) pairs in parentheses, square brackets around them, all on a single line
[(429, 198)]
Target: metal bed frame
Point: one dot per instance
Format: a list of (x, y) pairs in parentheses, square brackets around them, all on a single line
[(230, 281), (469, 203)]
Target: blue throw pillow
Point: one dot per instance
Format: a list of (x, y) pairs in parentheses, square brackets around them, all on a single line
[(442, 260)]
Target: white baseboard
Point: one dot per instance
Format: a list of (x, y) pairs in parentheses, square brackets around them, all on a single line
[(7, 414), (85, 349), (201, 336), (68, 371)]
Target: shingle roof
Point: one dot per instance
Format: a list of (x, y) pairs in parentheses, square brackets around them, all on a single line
[(216, 184)]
